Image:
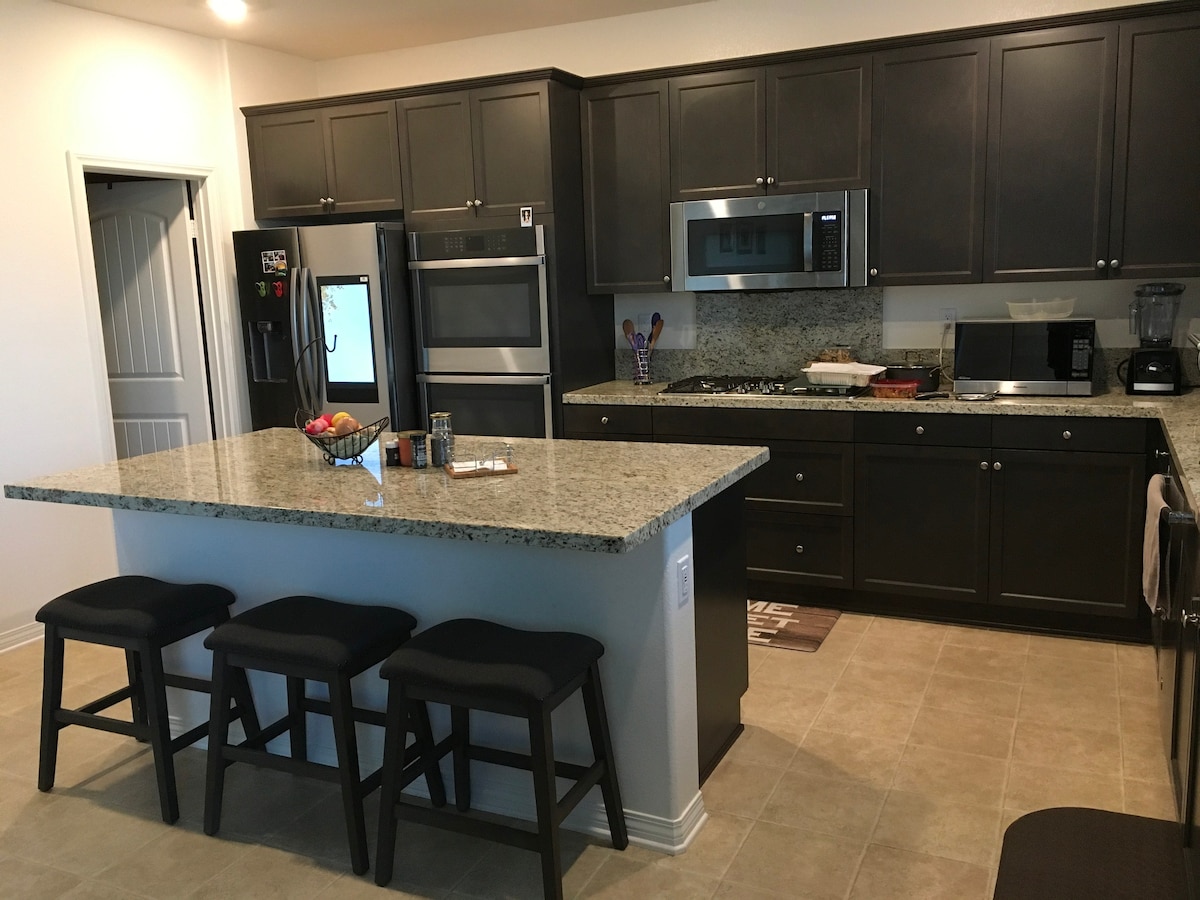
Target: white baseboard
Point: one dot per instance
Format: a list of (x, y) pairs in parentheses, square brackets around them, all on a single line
[(10, 640)]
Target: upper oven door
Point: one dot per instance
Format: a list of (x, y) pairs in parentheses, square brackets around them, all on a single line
[(482, 313)]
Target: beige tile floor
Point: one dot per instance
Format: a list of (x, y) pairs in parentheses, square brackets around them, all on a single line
[(885, 765)]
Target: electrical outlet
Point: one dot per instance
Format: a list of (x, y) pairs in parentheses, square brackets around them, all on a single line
[(683, 573), (949, 315)]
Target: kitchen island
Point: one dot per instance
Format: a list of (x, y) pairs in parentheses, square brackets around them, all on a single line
[(586, 537)]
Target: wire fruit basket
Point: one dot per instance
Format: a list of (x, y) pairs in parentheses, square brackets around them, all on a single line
[(343, 446)]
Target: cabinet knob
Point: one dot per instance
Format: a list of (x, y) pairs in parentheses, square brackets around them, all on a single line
[(770, 179), (1189, 618), (604, 420), (470, 205), (983, 466), (478, 203), (997, 466), (799, 476), (920, 429), (1066, 435), (799, 548), (874, 272), (1114, 264), (1100, 264), (758, 181), (666, 279)]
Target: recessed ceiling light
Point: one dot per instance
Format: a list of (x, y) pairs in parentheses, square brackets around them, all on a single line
[(228, 10)]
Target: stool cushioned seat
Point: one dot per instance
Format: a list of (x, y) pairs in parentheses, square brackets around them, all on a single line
[(133, 606), (486, 658), (313, 631)]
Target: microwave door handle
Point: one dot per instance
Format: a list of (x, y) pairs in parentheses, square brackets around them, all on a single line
[(808, 242)]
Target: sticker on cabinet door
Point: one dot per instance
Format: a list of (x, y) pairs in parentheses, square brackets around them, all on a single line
[(274, 262), (526, 216)]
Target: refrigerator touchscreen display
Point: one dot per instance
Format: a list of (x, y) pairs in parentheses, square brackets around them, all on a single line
[(349, 339)]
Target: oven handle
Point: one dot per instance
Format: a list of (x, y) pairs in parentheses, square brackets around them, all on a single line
[(483, 379), (479, 263)]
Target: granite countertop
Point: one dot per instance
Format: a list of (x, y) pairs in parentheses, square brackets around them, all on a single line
[(1180, 415), (602, 497)]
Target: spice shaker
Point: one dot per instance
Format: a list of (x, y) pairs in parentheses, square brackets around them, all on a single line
[(419, 459)]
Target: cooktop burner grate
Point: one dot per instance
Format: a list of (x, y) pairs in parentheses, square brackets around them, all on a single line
[(758, 384)]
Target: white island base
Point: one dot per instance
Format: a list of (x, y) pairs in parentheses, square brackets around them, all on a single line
[(631, 601)]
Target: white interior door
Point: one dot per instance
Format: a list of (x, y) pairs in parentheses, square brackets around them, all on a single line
[(150, 311)]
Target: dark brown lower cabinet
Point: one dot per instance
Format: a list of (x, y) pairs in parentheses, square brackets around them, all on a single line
[(791, 549)]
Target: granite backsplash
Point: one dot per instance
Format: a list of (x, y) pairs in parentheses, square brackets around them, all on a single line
[(778, 333)]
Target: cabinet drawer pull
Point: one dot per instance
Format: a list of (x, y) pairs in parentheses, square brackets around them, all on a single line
[(604, 420), (666, 279), (997, 466), (1066, 435), (470, 205), (1100, 264), (799, 476), (920, 429), (874, 272), (758, 181), (1114, 264), (479, 203), (770, 179), (799, 548), (983, 466)]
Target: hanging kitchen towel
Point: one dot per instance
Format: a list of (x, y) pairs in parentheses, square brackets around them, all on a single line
[(1155, 504)]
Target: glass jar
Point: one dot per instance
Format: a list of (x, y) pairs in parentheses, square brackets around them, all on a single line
[(441, 439)]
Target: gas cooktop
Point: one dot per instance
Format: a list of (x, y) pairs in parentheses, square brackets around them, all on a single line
[(758, 384)]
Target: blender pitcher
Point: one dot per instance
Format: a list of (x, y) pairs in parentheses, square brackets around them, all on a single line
[(1152, 313)]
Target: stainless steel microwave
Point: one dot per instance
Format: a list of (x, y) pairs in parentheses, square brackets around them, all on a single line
[(1049, 357), (781, 242)]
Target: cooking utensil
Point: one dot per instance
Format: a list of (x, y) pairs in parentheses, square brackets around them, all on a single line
[(627, 327), (926, 376), (639, 341), (655, 319), (656, 331)]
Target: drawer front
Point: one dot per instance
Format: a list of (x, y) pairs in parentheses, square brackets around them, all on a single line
[(754, 425), (800, 549), (804, 477), (1070, 433), (923, 429), (602, 420)]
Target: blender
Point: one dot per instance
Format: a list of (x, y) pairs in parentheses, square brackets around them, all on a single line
[(1154, 367)]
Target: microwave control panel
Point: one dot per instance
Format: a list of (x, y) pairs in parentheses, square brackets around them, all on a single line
[(827, 241)]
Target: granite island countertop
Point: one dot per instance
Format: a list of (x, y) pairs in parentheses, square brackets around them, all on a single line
[(582, 495), (1180, 416)]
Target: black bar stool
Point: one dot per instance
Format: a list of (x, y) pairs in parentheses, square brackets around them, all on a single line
[(141, 615), (473, 664), (311, 639)]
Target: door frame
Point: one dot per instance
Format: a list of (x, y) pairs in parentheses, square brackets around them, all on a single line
[(223, 353)]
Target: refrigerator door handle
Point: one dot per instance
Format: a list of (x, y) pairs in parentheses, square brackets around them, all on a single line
[(318, 372), (295, 312)]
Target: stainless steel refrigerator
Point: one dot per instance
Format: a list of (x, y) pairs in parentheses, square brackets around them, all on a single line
[(326, 322)]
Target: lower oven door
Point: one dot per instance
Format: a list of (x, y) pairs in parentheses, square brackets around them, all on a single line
[(499, 405)]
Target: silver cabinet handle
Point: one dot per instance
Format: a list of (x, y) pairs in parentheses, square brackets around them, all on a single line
[(770, 179), (799, 476), (758, 181), (983, 466), (920, 429), (1066, 435), (666, 279), (1114, 264), (997, 466), (874, 272), (479, 203), (604, 420), (1100, 264), (800, 549)]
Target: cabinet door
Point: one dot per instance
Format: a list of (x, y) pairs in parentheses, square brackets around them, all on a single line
[(362, 157), (804, 476), (626, 154), (1049, 164), (921, 521), (287, 164), (510, 129), (1155, 221), (819, 125), (435, 146), (1066, 531), (718, 135), (929, 129)]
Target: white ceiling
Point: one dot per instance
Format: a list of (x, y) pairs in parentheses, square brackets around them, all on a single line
[(327, 29)]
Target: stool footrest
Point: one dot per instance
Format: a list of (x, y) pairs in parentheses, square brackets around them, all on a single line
[(366, 716), (469, 824), (188, 683), (520, 761), (106, 701), (103, 723)]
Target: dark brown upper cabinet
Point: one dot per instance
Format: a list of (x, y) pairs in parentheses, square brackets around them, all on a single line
[(482, 152), (1154, 230), (1050, 137), (929, 128), (802, 126), (335, 159), (626, 154)]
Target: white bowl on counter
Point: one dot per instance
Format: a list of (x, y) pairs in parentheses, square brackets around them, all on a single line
[(1057, 308)]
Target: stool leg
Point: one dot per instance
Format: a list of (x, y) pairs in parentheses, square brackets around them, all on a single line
[(52, 679), (137, 684), (460, 728), (160, 728), (341, 709), (423, 737), (597, 717), (297, 718), (545, 792), (218, 736), (394, 737)]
